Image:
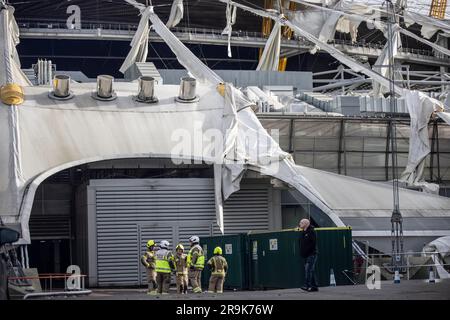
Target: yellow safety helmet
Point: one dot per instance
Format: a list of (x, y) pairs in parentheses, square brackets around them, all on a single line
[(179, 246), (150, 243), (217, 250)]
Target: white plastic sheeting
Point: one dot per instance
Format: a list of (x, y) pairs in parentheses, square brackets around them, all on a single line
[(270, 57), (9, 38), (441, 246), (417, 108), (351, 197), (429, 25), (246, 148), (428, 43), (176, 14), (353, 13), (337, 54), (383, 61), (344, 16), (420, 108), (231, 20), (319, 23), (444, 116), (55, 135), (139, 43), (186, 58)]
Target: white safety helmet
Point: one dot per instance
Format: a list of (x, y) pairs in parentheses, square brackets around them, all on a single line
[(164, 244), (194, 239)]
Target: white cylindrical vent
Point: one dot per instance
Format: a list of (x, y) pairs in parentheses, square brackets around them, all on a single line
[(39, 71), (61, 86), (187, 89), (45, 72), (146, 88), (50, 71), (105, 86)]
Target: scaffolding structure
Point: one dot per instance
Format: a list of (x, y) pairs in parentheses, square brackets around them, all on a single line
[(438, 8)]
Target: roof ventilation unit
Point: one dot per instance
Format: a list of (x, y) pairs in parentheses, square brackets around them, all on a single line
[(105, 90), (187, 90), (146, 92), (61, 88)]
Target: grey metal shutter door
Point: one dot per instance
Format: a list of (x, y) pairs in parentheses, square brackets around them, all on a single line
[(157, 233), (247, 210), (129, 215), (178, 232)]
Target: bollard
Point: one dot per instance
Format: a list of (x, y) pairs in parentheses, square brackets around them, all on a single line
[(396, 276), (431, 278), (332, 278)]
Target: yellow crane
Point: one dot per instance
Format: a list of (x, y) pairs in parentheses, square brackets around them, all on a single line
[(437, 9)]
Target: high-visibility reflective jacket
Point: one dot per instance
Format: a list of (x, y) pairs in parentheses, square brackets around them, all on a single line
[(148, 259), (219, 265), (164, 261), (196, 257)]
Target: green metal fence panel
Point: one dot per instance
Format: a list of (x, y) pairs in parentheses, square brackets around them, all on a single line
[(272, 259), (276, 262), (235, 251), (335, 252)]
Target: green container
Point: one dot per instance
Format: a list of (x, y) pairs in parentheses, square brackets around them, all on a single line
[(335, 252), (235, 251), (275, 260)]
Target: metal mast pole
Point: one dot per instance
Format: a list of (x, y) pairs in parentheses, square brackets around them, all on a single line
[(396, 218)]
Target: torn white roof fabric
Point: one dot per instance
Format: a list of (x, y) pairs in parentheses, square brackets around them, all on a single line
[(176, 14), (186, 58), (231, 20), (139, 43), (9, 39), (270, 57), (383, 61), (420, 108), (44, 136)]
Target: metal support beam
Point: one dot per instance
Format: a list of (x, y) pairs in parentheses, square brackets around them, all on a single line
[(388, 139), (291, 136), (432, 151), (341, 147), (125, 32)]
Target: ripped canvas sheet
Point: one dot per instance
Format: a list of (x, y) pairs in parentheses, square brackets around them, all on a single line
[(231, 20), (10, 72), (176, 14), (139, 43), (420, 108), (270, 57)]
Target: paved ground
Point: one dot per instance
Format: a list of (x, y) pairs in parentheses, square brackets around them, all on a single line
[(406, 290)]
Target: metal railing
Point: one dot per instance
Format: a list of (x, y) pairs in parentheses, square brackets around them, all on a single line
[(51, 284), (217, 33), (434, 261)]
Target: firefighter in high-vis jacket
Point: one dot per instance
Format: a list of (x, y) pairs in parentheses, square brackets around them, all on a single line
[(181, 269), (196, 263), (149, 262), (164, 267), (219, 267)]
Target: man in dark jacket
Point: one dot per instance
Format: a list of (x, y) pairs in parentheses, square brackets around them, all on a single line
[(308, 251)]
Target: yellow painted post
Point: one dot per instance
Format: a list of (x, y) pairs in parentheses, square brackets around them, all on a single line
[(11, 94)]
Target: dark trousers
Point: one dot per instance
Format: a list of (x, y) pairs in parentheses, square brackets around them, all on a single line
[(310, 276)]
